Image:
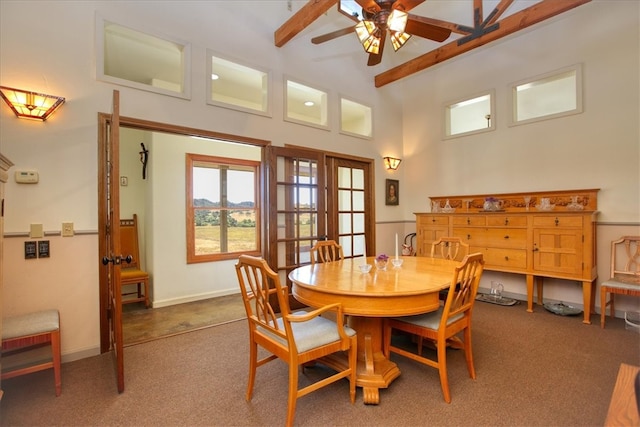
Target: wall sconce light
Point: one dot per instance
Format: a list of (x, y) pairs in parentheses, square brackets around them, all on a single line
[(30, 105), (391, 163)]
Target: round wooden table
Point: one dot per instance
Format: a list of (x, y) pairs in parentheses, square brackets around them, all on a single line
[(367, 298)]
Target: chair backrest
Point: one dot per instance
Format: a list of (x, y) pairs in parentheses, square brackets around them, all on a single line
[(326, 251), (257, 282), (129, 241), (449, 248), (625, 259), (464, 287)]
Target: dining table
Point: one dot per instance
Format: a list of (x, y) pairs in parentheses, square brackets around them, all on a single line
[(367, 298)]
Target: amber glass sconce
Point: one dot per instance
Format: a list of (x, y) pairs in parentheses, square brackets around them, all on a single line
[(391, 163), (30, 105)]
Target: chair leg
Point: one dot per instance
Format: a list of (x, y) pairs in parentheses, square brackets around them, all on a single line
[(468, 353), (442, 369), (253, 364), (353, 361), (612, 305), (293, 394), (146, 293), (603, 305), (55, 352)]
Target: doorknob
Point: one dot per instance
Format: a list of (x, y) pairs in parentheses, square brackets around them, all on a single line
[(117, 260)]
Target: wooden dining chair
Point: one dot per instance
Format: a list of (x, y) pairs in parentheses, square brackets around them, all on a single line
[(625, 274), (444, 324), (449, 248), (296, 338), (131, 272), (326, 251)]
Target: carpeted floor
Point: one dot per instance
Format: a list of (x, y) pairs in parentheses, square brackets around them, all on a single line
[(140, 324), (534, 369)]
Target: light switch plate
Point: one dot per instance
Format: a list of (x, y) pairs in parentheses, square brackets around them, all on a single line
[(36, 231)]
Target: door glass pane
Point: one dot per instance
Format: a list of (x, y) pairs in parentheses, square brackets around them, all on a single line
[(358, 200), (358, 179), (358, 245), (345, 242), (344, 177), (344, 200), (344, 223), (358, 223)]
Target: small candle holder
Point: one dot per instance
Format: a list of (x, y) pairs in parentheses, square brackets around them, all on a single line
[(365, 268), (397, 262), (381, 262)]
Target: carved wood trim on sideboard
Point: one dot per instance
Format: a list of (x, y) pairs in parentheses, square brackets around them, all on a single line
[(514, 202)]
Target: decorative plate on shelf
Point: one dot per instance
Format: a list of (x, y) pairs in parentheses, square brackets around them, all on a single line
[(562, 309), (545, 208)]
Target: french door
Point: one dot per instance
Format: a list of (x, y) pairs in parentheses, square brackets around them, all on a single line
[(313, 195), (109, 237)]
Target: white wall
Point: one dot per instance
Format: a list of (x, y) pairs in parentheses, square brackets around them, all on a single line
[(60, 59), (575, 152), (599, 148)]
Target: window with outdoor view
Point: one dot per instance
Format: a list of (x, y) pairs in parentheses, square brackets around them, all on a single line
[(223, 216)]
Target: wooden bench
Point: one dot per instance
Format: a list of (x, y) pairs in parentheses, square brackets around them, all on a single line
[(31, 343)]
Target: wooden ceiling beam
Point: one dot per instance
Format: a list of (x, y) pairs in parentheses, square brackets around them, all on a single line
[(532, 15), (301, 20)]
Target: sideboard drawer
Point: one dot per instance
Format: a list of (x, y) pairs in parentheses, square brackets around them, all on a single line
[(557, 221), (493, 237), (471, 220), (507, 221), (507, 259), (426, 220)]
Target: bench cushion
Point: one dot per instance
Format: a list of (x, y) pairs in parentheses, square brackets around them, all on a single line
[(30, 324)]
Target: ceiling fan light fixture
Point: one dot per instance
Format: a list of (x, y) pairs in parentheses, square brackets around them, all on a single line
[(372, 44), (399, 39), (364, 29), (397, 21)]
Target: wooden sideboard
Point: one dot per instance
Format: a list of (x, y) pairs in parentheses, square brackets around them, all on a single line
[(558, 243)]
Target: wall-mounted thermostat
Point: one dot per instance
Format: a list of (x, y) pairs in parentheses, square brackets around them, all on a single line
[(26, 177)]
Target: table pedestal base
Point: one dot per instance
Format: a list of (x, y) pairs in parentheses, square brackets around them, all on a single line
[(374, 371)]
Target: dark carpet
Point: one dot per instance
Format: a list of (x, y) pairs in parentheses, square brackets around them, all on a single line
[(533, 369)]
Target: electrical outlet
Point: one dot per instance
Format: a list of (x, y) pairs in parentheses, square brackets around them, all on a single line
[(67, 229)]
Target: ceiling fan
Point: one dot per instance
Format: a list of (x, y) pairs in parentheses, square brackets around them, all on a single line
[(380, 18)]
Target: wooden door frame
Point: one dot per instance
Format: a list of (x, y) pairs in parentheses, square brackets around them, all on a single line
[(104, 121)]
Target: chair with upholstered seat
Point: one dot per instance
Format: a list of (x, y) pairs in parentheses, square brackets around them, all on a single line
[(297, 338), (326, 251), (625, 274), (444, 324), (131, 272), (449, 248), (31, 343)]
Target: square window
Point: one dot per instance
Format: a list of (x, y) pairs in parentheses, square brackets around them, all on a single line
[(555, 94), (470, 115)]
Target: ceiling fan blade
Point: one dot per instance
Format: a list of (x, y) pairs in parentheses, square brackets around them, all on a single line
[(332, 35), (368, 5), (428, 31), (375, 59), (406, 5)]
